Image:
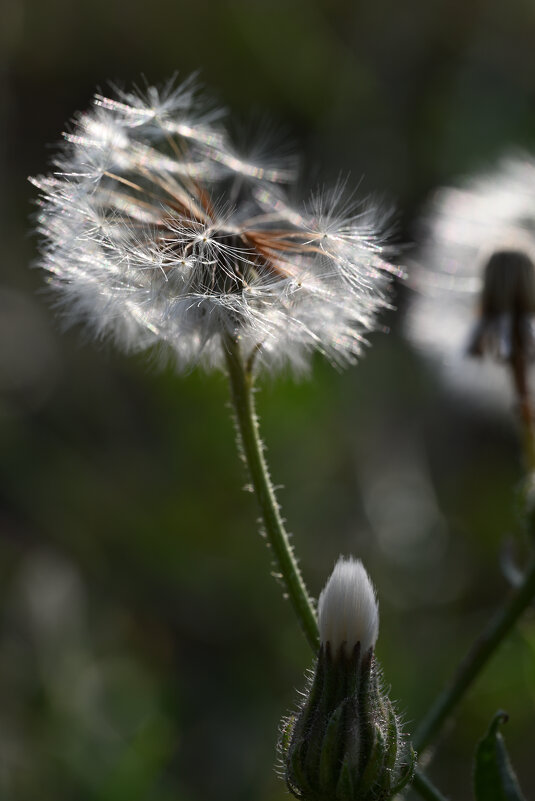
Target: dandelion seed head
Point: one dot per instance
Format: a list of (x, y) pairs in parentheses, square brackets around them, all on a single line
[(155, 231)]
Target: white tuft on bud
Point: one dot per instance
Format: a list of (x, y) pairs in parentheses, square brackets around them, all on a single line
[(347, 609)]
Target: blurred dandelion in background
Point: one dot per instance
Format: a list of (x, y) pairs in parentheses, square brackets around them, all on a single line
[(474, 277), (157, 232)]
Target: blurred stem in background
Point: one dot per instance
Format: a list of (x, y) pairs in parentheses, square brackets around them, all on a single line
[(504, 620), (483, 649), (525, 409)]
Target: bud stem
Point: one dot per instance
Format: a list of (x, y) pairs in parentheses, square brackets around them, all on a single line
[(476, 659), (242, 387), (425, 788)]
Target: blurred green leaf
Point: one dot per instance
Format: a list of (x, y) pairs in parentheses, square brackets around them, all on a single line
[(494, 777)]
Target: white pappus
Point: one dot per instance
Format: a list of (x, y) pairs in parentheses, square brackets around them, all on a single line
[(348, 612), (156, 232)]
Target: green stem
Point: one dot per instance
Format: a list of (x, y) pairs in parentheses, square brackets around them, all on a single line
[(241, 382), (425, 788), (476, 659)]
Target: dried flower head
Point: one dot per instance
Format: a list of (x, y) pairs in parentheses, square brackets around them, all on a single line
[(345, 742), (157, 231), (475, 277)]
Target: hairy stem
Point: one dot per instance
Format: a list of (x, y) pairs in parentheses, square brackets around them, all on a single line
[(425, 788), (241, 382), (476, 659)]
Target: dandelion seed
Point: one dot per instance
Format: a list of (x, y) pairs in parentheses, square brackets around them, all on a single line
[(156, 232)]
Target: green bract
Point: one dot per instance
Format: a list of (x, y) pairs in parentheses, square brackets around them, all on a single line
[(345, 743), (494, 777)]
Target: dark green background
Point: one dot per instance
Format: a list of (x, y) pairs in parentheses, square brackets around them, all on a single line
[(146, 653)]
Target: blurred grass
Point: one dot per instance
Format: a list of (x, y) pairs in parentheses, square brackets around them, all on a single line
[(146, 651)]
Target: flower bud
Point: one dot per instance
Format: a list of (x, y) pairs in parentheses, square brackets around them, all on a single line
[(345, 743)]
